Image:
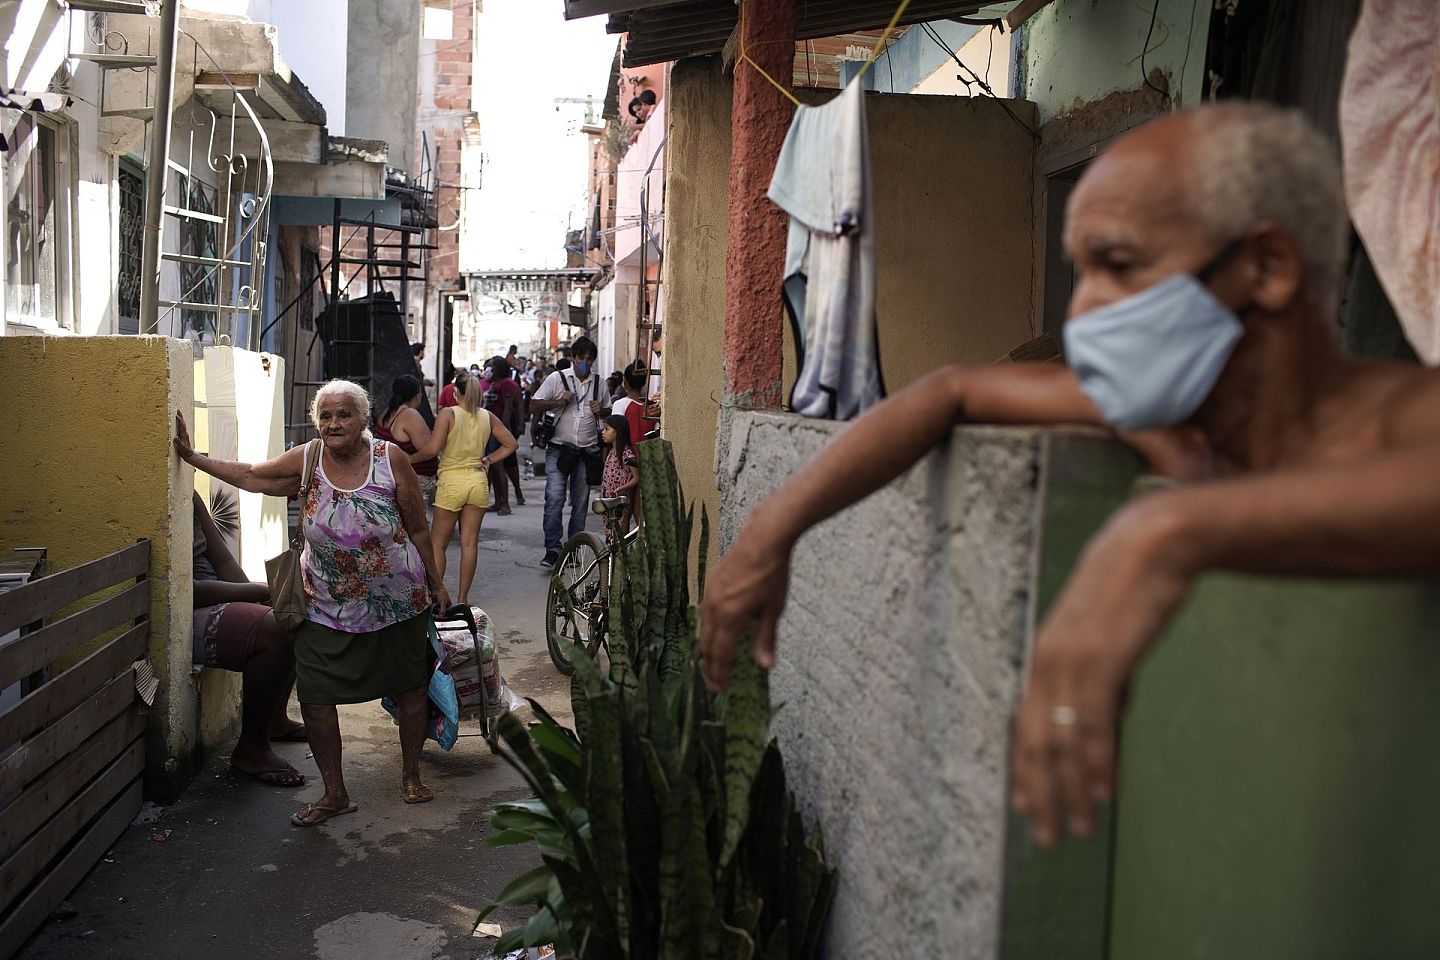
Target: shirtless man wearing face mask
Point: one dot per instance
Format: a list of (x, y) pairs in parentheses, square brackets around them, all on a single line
[(1209, 247)]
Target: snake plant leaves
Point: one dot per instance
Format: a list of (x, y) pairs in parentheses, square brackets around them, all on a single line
[(747, 727), (687, 890), (530, 887), (604, 788), (665, 822), (543, 715), (703, 553)]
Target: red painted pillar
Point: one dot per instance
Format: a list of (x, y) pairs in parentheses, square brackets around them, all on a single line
[(759, 118)]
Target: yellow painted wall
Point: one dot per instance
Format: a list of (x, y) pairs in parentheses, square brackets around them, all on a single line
[(85, 423), (952, 193), (696, 176)]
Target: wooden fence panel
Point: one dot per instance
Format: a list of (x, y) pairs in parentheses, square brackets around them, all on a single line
[(25, 654), (73, 775), (28, 812), (71, 688), (21, 869), (67, 873), (65, 734), (56, 591)]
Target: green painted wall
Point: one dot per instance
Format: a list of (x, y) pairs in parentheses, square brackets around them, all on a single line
[(1076, 51), (1280, 763)]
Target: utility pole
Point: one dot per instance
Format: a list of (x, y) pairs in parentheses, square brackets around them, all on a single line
[(157, 167)]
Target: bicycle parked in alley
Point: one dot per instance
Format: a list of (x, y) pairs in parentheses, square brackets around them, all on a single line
[(577, 608)]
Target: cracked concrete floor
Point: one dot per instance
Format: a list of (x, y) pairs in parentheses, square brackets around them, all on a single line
[(233, 878)]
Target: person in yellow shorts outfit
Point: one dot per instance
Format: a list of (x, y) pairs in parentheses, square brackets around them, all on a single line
[(463, 494)]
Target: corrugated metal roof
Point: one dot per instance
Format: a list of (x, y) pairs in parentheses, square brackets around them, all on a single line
[(661, 31)]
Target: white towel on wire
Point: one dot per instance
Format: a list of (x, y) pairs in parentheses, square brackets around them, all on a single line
[(822, 180)]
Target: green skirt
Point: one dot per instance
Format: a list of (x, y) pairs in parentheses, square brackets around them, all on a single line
[(333, 667)]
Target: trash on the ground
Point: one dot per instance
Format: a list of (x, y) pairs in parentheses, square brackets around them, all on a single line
[(530, 953), (160, 836), (149, 813), (146, 683), (492, 930)]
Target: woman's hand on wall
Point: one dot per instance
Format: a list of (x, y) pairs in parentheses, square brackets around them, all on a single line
[(182, 439)]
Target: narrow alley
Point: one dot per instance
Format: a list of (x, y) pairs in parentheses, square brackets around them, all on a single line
[(222, 871), (999, 439)]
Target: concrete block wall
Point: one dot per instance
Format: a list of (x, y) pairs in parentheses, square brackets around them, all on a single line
[(899, 661), (89, 468), (1278, 753)]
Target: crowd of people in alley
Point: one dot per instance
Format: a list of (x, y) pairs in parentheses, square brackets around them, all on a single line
[(373, 563), (1210, 248)]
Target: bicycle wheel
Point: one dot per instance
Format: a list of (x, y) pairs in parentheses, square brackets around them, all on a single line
[(575, 603)]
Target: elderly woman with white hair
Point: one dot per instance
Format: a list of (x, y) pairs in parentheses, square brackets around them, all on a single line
[(366, 563)]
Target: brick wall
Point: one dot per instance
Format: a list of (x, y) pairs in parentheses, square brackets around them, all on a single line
[(442, 112)]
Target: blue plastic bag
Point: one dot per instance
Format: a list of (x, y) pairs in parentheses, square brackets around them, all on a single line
[(443, 723)]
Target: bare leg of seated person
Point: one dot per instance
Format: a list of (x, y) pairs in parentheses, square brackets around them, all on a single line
[(281, 726), (247, 640)]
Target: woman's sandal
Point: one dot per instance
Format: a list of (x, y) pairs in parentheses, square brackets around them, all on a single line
[(300, 818), (417, 792)]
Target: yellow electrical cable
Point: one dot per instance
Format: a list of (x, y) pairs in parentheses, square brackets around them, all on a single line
[(745, 55), (874, 53)]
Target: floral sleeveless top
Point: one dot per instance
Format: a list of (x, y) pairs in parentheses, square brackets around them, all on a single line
[(360, 569)]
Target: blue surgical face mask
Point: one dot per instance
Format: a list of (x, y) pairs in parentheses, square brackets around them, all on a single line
[(1151, 359), (582, 368)]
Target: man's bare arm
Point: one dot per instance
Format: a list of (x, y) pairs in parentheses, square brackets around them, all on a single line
[(1379, 517), (749, 584)]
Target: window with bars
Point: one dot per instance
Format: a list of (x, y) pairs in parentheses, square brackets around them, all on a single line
[(199, 282), (132, 239), (32, 240)]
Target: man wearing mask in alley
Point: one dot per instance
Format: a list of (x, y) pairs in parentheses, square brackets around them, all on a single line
[(572, 459), (1208, 247)]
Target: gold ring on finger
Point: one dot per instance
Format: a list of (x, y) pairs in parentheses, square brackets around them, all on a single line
[(1064, 716)]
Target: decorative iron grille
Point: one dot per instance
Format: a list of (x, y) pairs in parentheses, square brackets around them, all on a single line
[(132, 239), (199, 238)]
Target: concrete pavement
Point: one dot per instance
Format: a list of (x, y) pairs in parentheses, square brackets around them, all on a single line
[(223, 874)]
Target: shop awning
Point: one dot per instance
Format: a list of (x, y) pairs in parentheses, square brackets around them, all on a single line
[(662, 30)]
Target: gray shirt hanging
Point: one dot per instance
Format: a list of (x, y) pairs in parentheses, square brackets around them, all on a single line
[(822, 180)]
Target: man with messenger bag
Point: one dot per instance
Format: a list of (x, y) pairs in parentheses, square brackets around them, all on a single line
[(572, 452)]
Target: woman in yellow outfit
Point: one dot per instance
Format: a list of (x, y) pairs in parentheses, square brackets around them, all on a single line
[(461, 435)]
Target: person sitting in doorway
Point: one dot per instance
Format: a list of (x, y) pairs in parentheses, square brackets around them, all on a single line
[(1209, 247), (234, 629)]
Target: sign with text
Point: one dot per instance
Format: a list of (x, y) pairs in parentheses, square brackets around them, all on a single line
[(540, 299)]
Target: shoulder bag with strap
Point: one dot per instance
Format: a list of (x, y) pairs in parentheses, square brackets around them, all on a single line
[(287, 586)]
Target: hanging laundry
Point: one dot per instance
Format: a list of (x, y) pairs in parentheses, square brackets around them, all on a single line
[(822, 180)]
